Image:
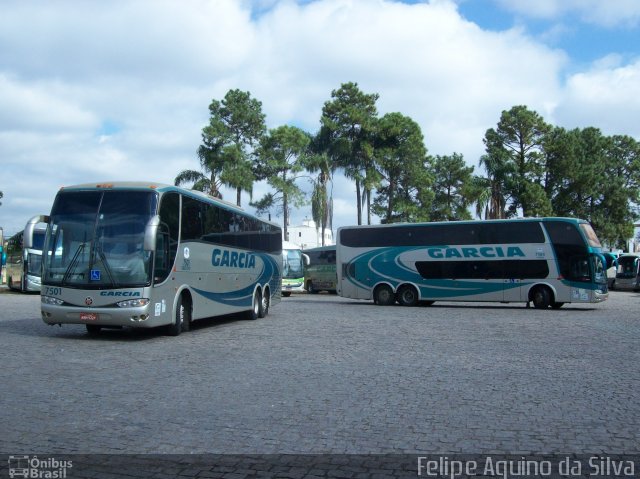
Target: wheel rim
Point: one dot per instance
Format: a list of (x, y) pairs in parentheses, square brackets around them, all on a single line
[(384, 295), (408, 296), (265, 303), (256, 304)]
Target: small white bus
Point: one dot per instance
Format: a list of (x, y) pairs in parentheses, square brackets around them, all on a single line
[(24, 255)]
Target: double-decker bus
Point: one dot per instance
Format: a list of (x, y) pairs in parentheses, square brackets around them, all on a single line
[(546, 261), (293, 265), (24, 254), (146, 255), (320, 273)]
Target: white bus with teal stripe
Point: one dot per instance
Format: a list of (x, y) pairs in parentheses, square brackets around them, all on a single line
[(145, 255), (544, 261)]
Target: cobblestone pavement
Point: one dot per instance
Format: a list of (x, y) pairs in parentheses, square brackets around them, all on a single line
[(327, 375)]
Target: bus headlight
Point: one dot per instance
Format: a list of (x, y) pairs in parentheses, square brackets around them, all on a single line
[(133, 303), (51, 300)]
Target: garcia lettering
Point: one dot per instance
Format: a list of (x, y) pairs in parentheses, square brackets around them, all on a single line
[(472, 252), (232, 259)]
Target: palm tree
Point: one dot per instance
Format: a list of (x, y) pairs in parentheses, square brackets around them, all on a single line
[(208, 183)]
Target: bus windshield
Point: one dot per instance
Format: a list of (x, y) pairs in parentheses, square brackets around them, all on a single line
[(292, 263), (95, 239)]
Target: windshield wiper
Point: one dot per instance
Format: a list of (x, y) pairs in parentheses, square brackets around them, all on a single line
[(74, 262), (107, 268)]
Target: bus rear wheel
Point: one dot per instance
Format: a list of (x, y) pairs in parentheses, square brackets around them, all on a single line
[(407, 295), (383, 295), (541, 297)]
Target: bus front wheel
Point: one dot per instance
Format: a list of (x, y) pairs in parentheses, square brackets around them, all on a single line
[(407, 295), (264, 304), (182, 320), (383, 295), (541, 297)]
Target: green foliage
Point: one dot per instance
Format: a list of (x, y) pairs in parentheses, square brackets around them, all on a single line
[(530, 167), (282, 157), (514, 149), (595, 177), (235, 127), (400, 157), (348, 128), (453, 188)]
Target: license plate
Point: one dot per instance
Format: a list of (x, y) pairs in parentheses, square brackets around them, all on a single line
[(88, 316)]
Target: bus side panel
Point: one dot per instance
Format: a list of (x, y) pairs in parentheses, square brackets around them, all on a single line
[(223, 280)]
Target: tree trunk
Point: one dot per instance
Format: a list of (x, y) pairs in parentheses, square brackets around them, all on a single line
[(358, 201), (285, 215)]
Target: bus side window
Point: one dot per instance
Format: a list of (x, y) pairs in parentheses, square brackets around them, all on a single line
[(167, 240)]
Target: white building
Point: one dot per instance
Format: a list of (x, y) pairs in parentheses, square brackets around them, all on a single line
[(308, 235)]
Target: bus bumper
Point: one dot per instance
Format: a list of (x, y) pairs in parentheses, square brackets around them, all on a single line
[(133, 317)]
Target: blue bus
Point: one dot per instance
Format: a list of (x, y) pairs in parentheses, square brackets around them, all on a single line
[(544, 261), (147, 255)]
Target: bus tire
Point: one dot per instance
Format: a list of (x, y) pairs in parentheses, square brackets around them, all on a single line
[(541, 297), (182, 320), (286, 294), (311, 289), (556, 305), (93, 329), (383, 295), (264, 303), (407, 295), (254, 312)]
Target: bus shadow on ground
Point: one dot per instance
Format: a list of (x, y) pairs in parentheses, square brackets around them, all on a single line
[(471, 305), (34, 327)]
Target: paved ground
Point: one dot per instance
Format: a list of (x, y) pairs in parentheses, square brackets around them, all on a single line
[(326, 375)]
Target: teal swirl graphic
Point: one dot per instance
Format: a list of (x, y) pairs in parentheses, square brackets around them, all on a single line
[(385, 265), (243, 298)]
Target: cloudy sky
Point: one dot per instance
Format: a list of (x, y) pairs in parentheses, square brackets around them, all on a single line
[(119, 90)]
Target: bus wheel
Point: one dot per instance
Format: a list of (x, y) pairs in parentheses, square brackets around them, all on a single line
[(254, 312), (182, 321), (383, 295), (93, 328), (541, 297), (264, 304), (556, 305), (407, 295), (286, 294)]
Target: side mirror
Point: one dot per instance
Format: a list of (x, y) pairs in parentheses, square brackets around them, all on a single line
[(151, 232), (306, 259), (30, 227)]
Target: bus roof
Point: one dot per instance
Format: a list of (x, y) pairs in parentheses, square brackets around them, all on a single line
[(469, 222), (163, 188)]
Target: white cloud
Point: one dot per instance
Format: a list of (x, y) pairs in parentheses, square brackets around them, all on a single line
[(94, 91), (607, 96)]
